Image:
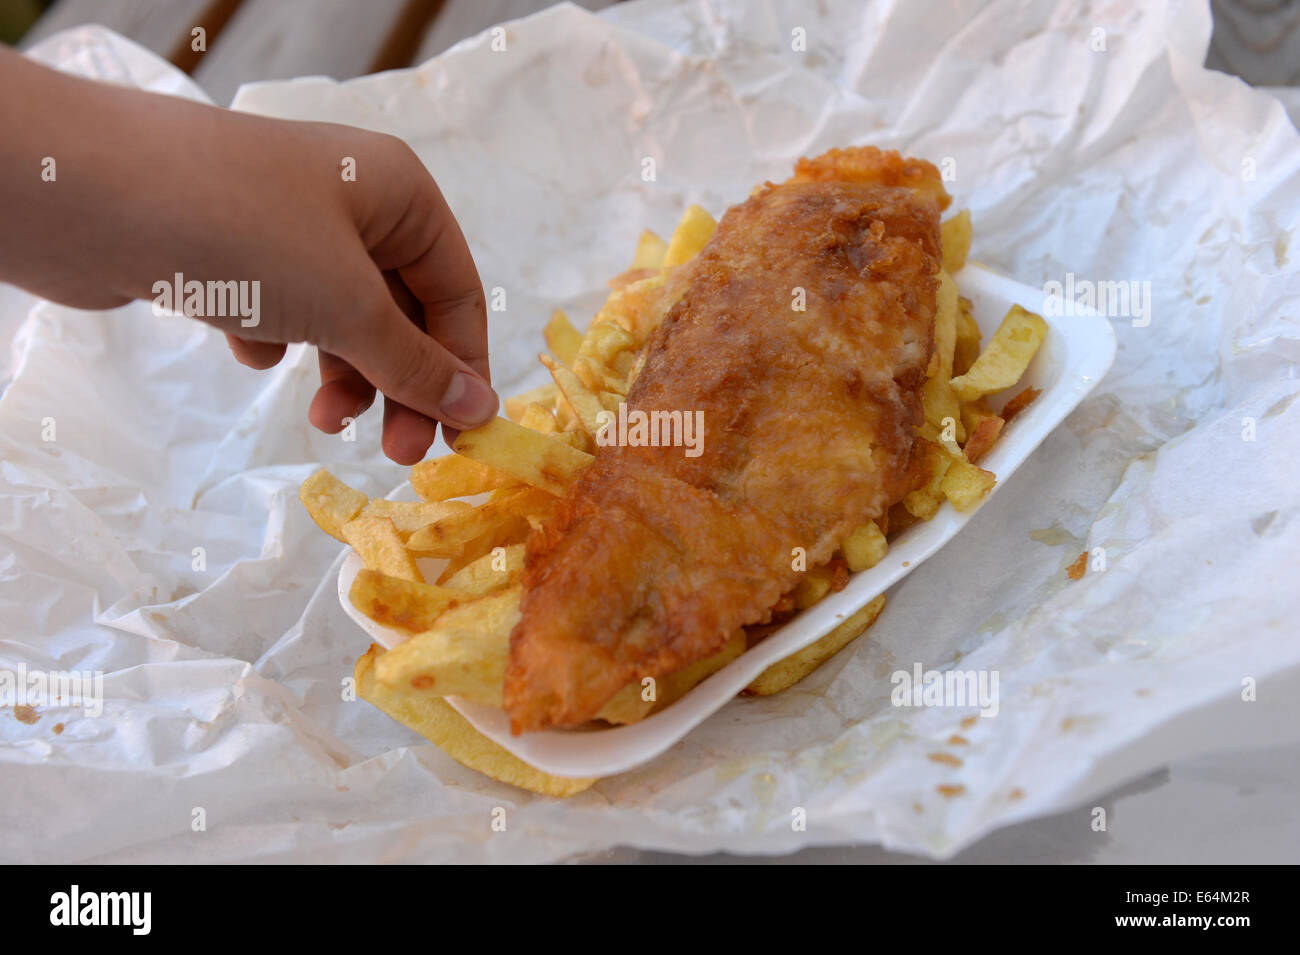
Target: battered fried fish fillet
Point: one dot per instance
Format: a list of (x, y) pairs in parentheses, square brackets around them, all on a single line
[(653, 558)]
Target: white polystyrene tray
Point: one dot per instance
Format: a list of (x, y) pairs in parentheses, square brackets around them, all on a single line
[(1078, 351)]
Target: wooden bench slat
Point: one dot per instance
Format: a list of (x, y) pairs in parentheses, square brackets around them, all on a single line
[(1260, 42), (281, 39), (404, 40)]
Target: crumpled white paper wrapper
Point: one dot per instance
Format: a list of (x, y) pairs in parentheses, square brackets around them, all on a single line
[(222, 685)]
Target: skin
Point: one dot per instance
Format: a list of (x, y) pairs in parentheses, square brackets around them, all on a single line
[(375, 272)]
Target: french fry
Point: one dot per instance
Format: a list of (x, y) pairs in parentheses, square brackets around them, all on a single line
[(536, 418), (675, 685), (399, 603), (812, 587), (692, 233), (621, 365), (330, 502), (650, 251), (974, 412), (446, 537), (945, 328), (1019, 403), (865, 547), (983, 437), (945, 439), (584, 402), (639, 307), (456, 476), (435, 720), (638, 700), (924, 502), (577, 438), (605, 341), (786, 673), (965, 485), (593, 377), (635, 370), (565, 416), (409, 516), (562, 338), (629, 705), (968, 338), (380, 547), (1006, 357), (937, 398), (530, 457), (900, 519), (939, 404), (464, 654), (624, 279), (543, 395), (598, 377), (492, 571), (956, 234), (515, 530), (609, 348)]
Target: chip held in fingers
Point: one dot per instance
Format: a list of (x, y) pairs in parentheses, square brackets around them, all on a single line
[(537, 459)]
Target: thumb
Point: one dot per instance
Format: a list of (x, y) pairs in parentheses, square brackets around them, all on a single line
[(410, 367)]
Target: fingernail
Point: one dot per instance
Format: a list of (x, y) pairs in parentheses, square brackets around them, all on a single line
[(468, 400)]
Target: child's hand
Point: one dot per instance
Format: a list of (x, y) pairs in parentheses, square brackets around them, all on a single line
[(340, 262), (148, 186)]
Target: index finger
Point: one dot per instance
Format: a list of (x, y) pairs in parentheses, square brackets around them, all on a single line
[(429, 252)]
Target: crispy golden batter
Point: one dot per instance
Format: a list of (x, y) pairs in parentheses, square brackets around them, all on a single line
[(877, 167), (653, 559)]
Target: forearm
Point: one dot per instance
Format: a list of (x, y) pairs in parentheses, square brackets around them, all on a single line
[(108, 191), (100, 185), (63, 177)]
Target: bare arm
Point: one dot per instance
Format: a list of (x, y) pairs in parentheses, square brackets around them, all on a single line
[(109, 191)]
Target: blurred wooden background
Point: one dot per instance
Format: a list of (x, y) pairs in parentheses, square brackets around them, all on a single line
[(1258, 40), (251, 40)]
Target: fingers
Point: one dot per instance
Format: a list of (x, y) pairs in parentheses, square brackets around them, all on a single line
[(259, 355), (458, 322), (432, 366), (343, 393), (405, 299), (414, 370), (407, 433), (429, 252)]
